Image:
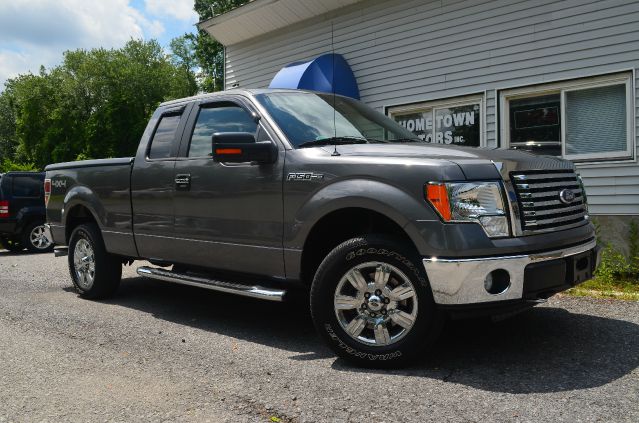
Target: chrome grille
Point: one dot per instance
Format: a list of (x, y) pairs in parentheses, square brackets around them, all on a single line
[(540, 205)]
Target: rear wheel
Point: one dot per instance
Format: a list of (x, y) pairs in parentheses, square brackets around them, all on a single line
[(372, 303), (11, 244), (95, 273), (34, 238)]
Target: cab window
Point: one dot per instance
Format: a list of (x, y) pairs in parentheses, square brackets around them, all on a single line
[(164, 137), (222, 117)]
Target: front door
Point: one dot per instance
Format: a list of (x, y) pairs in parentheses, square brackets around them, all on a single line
[(227, 216)]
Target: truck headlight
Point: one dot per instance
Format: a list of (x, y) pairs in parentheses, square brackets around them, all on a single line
[(480, 202)]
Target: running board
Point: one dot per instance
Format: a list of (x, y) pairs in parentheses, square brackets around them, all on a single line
[(215, 285)]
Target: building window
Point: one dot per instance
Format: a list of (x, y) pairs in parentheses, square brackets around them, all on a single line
[(451, 121), (583, 120)]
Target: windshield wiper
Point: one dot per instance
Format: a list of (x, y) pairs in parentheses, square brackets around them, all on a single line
[(333, 141)]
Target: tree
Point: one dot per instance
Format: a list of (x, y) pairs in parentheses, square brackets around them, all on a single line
[(95, 104), (8, 140), (204, 54)]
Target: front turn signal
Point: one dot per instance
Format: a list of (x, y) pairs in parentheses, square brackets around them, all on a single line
[(437, 195)]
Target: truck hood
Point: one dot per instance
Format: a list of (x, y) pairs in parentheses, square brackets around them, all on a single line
[(476, 163)]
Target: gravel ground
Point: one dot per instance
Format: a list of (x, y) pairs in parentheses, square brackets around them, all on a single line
[(162, 352)]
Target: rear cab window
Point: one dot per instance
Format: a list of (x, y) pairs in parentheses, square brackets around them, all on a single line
[(164, 137)]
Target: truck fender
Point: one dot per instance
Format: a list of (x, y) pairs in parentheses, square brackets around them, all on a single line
[(83, 196), (396, 204)]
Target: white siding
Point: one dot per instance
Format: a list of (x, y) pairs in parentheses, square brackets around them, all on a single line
[(491, 118), (418, 50)]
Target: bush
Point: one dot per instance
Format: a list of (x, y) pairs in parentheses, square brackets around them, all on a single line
[(8, 166), (615, 265)]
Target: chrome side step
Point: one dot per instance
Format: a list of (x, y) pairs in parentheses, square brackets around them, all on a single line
[(262, 293)]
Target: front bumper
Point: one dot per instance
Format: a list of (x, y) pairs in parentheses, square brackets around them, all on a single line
[(461, 281)]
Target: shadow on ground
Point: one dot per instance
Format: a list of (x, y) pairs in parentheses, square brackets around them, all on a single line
[(543, 350), (7, 253)]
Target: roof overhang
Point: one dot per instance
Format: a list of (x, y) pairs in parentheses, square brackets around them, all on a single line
[(259, 17)]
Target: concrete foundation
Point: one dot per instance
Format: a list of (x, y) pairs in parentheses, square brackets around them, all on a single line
[(615, 230)]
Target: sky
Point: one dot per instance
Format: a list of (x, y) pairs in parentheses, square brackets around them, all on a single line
[(37, 32)]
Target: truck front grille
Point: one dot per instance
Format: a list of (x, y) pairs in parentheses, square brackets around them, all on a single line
[(542, 205)]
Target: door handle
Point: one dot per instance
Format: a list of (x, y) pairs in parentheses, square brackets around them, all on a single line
[(183, 181)]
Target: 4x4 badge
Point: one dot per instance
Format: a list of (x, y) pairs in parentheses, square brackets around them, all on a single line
[(304, 176)]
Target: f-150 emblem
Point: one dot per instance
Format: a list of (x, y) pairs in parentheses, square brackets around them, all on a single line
[(304, 176)]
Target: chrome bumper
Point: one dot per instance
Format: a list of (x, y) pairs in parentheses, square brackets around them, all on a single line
[(461, 281)]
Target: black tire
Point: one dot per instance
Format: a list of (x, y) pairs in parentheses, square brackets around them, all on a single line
[(379, 251), (107, 268), (11, 244), (38, 245)]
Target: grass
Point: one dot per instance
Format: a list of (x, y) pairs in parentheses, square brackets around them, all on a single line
[(599, 288)]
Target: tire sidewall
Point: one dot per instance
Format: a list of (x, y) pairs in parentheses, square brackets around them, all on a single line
[(79, 233), (107, 269), (343, 258)]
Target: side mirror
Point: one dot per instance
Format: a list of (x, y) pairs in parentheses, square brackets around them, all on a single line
[(241, 147)]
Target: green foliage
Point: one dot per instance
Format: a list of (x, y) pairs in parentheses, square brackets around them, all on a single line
[(8, 140), (615, 266), (95, 104), (9, 166), (201, 52)]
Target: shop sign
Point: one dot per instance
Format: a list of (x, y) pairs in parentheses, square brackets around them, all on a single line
[(457, 124)]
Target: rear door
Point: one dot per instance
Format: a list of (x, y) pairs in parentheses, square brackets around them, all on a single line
[(228, 216), (153, 185)]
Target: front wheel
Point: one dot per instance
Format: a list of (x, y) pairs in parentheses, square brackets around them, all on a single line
[(372, 303), (95, 273)]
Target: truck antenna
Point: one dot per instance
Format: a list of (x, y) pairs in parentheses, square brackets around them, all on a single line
[(335, 152)]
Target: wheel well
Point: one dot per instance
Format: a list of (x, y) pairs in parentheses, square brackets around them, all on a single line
[(339, 226), (29, 219), (77, 216)]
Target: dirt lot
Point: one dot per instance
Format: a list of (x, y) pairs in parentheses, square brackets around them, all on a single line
[(162, 352)]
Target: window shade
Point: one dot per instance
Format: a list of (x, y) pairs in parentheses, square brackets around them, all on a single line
[(596, 120)]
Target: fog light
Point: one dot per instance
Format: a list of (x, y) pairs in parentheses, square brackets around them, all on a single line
[(495, 226), (497, 282)]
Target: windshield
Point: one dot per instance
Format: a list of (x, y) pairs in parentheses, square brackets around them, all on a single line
[(309, 118)]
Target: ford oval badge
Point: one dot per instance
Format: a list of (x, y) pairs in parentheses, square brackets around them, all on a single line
[(567, 196)]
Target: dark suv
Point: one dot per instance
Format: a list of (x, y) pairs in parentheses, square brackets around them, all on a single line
[(22, 212)]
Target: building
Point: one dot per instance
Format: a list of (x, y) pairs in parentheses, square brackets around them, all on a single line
[(555, 77)]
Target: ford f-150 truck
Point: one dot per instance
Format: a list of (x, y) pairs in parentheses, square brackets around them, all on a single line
[(255, 192)]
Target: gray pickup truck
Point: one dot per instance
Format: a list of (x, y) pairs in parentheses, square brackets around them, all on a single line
[(256, 192)]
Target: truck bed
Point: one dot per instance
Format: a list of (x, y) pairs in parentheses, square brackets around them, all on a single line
[(101, 186)]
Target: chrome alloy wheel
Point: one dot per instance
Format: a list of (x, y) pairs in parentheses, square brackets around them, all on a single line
[(376, 303), (38, 238), (84, 263)]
